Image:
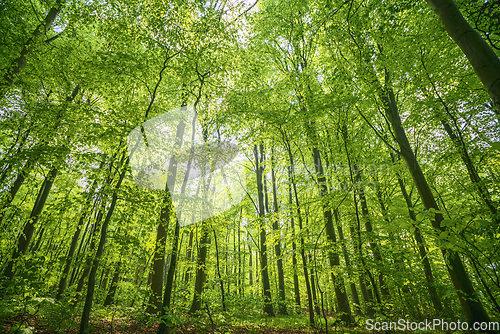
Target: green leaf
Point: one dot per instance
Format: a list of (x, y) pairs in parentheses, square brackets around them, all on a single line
[(447, 222), (496, 146)]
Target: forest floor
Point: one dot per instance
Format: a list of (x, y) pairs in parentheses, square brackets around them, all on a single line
[(251, 324), (33, 324)]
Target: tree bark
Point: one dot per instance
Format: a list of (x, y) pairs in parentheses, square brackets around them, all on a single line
[(155, 300), (84, 324), (259, 159), (313, 286), (223, 295), (356, 236), (333, 256), (469, 300), (373, 244), (354, 292), (189, 256), (29, 228), (110, 297), (74, 241), (294, 246), (277, 247), (162, 328), (429, 277), (200, 268), (481, 56), (302, 251), (20, 62), (250, 265)]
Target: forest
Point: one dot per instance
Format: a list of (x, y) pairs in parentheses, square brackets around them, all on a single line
[(252, 166)]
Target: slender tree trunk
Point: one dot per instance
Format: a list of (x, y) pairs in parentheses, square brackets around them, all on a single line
[(110, 297), (294, 246), (22, 134), (88, 261), (240, 285), (104, 282), (302, 251), (277, 247), (175, 248), (74, 242), (313, 286), (333, 256), (354, 291), (429, 277), (29, 228), (189, 256), (373, 244), (171, 270), (469, 300), (459, 143), (162, 328), (84, 324), (155, 302), (20, 62), (89, 229), (483, 59), (223, 296), (39, 239), (356, 236), (259, 159), (200, 268), (250, 265), (31, 161), (18, 182)]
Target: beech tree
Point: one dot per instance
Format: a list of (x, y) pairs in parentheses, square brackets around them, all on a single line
[(365, 135)]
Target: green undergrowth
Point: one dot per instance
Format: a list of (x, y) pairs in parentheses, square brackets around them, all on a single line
[(45, 315)]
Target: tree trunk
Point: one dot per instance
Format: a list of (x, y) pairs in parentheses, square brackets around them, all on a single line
[(356, 235), (469, 300), (20, 62), (84, 324), (250, 265), (223, 296), (373, 244), (302, 252), (259, 167), (429, 277), (471, 169), (155, 302), (294, 246), (200, 268), (18, 182), (29, 228), (110, 297), (240, 285), (162, 328), (189, 256), (333, 256), (25, 170), (277, 247), (354, 292), (88, 261), (459, 143), (74, 241), (483, 59), (313, 286)]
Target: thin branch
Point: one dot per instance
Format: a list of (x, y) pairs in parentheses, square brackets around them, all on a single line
[(377, 132), (244, 12)]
